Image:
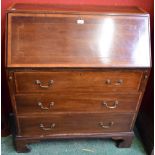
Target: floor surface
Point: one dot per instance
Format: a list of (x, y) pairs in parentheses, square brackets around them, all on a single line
[(75, 147)]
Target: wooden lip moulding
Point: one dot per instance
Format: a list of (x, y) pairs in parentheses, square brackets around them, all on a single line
[(76, 71)]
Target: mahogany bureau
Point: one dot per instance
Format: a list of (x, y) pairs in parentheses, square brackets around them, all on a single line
[(76, 71)]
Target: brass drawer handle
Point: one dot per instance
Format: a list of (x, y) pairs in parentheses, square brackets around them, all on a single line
[(106, 126), (49, 83), (46, 108), (112, 106), (47, 129)]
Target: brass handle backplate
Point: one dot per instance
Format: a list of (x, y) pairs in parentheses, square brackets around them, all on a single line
[(108, 81), (110, 124), (47, 129), (80, 21), (117, 82), (46, 108), (110, 106), (49, 83)]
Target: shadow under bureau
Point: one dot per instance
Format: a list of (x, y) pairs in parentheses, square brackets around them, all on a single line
[(76, 71)]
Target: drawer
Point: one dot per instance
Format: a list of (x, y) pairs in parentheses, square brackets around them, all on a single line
[(77, 81), (82, 102), (74, 124)]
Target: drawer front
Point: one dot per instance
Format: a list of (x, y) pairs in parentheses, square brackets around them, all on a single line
[(75, 123), (77, 81), (82, 102)]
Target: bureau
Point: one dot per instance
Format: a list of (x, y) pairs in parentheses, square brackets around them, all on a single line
[(76, 71)]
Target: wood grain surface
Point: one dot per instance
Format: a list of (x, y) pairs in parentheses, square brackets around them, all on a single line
[(74, 123), (59, 40), (123, 81), (28, 104)]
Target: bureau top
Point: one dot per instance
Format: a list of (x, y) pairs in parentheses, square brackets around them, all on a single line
[(87, 9), (41, 35)]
